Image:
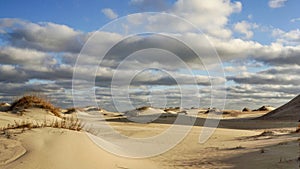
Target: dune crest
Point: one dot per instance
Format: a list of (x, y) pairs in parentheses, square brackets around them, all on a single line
[(288, 111)]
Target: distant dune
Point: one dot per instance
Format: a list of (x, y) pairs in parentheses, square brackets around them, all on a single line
[(265, 108), (289, 111)]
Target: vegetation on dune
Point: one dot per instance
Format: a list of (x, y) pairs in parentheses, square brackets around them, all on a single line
[(172, 109), (34, 101), (70, 110), (246, 109), (66, 123), (143, 108)]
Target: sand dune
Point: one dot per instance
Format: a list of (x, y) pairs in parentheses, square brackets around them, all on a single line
[(148, 114), (60, 149), (10, 150), (289, 111), (144, 111), (265, 108), (49, 148), (240, 141)]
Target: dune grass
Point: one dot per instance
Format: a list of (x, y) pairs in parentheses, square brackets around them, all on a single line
[(35, 101), (29, 101), (143, 108), (65, 123)]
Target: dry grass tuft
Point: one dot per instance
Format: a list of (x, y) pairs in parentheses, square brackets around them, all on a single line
[(172, 109), (34, 101), (67, 123)]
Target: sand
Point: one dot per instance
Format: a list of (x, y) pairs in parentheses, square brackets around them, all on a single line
[(59, 148), (48, 148), (10, 150), (289, 111), (238, 142)]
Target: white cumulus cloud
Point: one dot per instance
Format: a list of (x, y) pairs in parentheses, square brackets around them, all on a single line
[(109, 13), (245, 28), (276, 3), (295, 20)]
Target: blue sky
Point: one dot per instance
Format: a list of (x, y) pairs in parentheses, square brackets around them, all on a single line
[(258, 42), (87, 16), (82, 15)]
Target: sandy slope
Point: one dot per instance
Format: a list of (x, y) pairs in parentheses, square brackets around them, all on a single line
[(60, 149), (49, 148), (227, 148), (10, 150), (289, 111)]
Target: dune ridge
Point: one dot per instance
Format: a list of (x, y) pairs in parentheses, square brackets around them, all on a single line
[(289, 111)]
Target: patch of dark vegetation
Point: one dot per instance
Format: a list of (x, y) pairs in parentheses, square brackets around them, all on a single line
[(143, 108)]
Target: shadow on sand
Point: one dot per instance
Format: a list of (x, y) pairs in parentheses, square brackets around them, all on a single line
[(239, 123)]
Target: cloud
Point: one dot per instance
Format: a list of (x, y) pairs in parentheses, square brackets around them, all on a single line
[(276, 3), (291, 37), (295, 20), (273, 76), (109, 13), (211, 17), (245, 27), (45, 36), (149, 5), (57, 93), (128, 46), (149, 78), (273, 54), (49, 52), (11, 55), (235, 69), (254, 96), (35, 61), (10, 73), (32, 65), (273, 86), (250, 16)]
